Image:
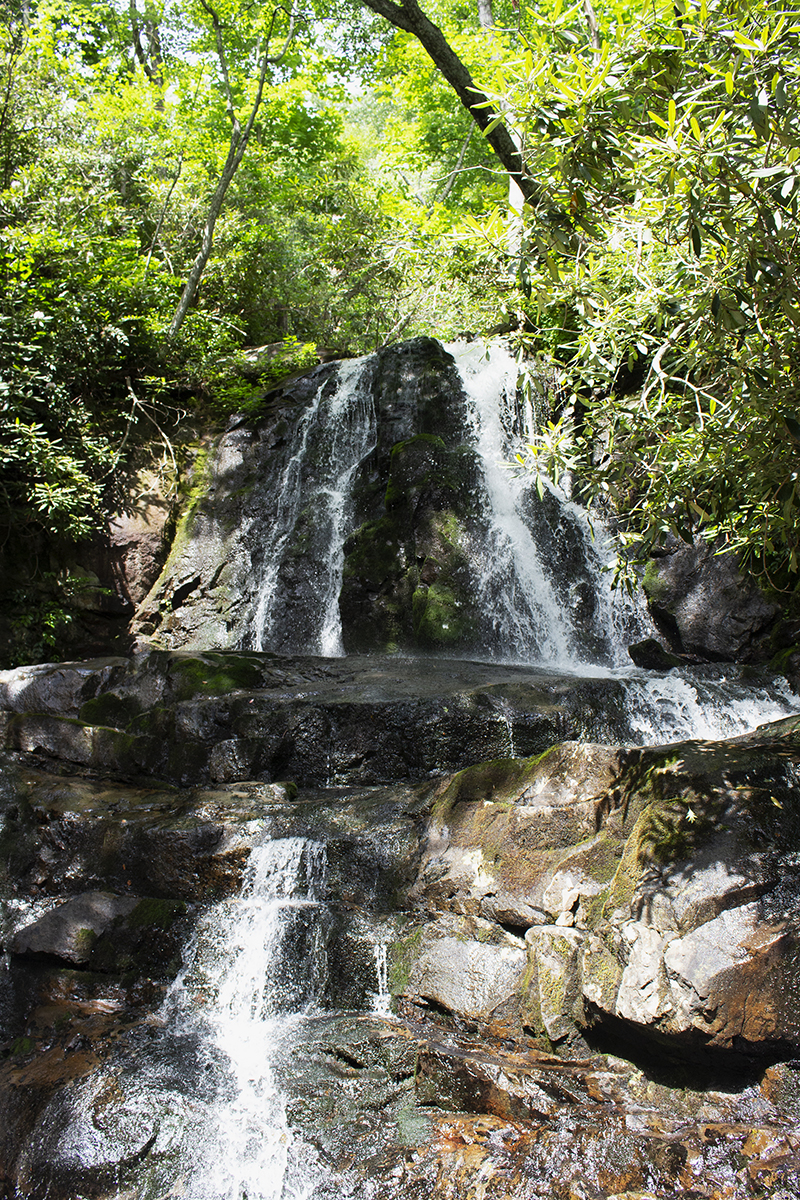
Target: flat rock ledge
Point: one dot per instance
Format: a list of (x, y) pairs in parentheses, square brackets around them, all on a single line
[(225, 716)]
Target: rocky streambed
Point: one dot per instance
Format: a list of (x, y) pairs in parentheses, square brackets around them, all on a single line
[(543, 961)]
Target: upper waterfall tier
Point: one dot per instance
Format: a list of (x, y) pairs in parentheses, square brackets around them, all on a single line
[(375, 510)]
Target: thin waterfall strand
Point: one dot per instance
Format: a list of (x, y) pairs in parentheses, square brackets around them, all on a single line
[(336, 433)]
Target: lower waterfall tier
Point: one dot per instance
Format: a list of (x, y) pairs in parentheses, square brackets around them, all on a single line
[(194, 980)]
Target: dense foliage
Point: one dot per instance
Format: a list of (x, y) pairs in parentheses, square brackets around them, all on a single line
[(660, 267), (117, 125)]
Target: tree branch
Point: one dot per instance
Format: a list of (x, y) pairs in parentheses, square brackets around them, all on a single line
[(409, 16), (238, 144)]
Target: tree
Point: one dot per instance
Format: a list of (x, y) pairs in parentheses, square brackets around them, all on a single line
[(239, 139), (666, 284), (407, 15)]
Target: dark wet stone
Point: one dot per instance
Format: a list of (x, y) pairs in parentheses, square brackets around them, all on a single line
[(705, 606), (71, 930), (320, 722), (652, 655)]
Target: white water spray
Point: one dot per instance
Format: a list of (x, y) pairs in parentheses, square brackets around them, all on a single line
[(381, 997), (544, 605), (664, 708), (257, 966), (335, 434)]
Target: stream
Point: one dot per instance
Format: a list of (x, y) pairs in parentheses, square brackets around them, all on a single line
[(273, 1036)]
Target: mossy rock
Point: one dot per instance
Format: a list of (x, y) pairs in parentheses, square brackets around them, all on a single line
[(374, 553), (147, 941), (111, 710), (423, 469), (214, 674), (441, 617), (657, 590), (402, 954), (497, 780)]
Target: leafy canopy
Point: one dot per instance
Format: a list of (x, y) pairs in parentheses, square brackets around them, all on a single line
[(659, 264)]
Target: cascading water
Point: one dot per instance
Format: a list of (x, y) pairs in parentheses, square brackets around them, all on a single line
[(542, 570), (539, 571), (207, 1116), (535, 564), (256, 967), (313, 489), (544, 573)]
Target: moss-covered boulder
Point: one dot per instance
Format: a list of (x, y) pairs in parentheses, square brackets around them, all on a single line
[(108, 933), (657, 889)]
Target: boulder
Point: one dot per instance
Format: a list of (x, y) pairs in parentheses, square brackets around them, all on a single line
[(706, 607), (657, 890), (70, 931), (107, 933), (467, 967), (652, 655)]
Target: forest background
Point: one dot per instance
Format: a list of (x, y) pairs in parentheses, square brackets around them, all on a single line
[(182, 181)]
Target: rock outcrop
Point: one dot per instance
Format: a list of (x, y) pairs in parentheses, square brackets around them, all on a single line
[(656, 891), (705, 606), (360, 503), (543, 915), (223, 716)]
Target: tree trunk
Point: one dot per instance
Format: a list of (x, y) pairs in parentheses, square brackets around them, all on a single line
[(485, 15), (407, 15), (199, 264), (239, 139)]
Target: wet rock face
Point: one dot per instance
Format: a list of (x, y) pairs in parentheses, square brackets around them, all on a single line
[(704, 606), (655, 891), (407, 580), (409, 500), (220, 717), (362, 514)]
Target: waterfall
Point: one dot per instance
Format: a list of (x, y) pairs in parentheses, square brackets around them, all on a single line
[(537, 570), (312, 492), (201, 1096), (543, 571), (257, 964), (712, 703), (381, 997)]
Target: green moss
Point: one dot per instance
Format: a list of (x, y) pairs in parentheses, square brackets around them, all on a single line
[(155, 913), (402, 956), (108, 709), (601, 860), (438, 615), (84, 940), (192, 490), (419, 439), (21, 1046), (780, 661), (497, 779), (654, 586), (373, 553), (606, 973), (595, 908), (214, 674), (531, 1009), (422, 465), (156, 721)]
